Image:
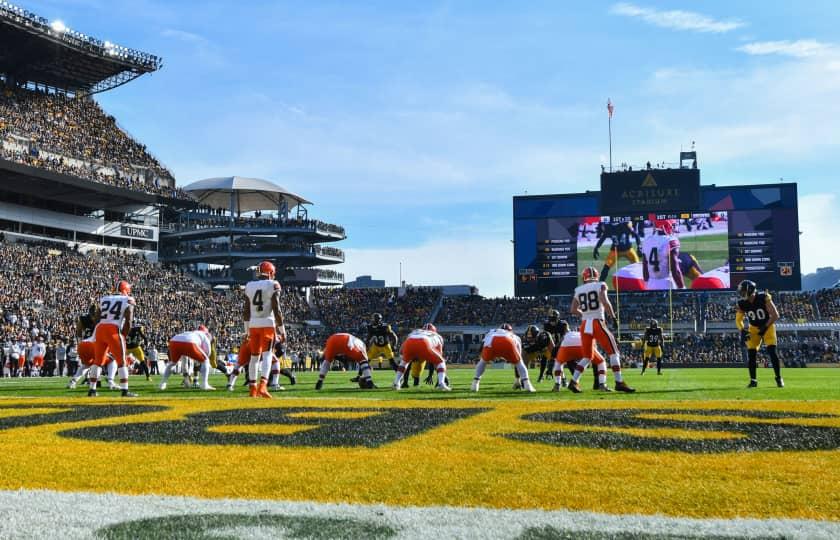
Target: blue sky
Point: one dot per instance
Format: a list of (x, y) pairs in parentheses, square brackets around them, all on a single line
[(413, 123)]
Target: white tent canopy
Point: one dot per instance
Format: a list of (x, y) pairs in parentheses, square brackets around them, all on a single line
[(240, 194)]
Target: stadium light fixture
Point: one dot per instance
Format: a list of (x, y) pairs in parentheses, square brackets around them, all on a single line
[(58, 26)]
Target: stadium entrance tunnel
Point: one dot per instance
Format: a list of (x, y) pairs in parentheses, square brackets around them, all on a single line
[(295, 426), (705, 431)]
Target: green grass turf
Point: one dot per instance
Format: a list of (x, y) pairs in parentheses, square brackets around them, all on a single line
[(673, 384), (710, 251)]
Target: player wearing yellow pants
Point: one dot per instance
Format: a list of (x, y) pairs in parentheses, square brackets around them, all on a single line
[(653, 346), (759, 312), (621, 234), (381, 353)]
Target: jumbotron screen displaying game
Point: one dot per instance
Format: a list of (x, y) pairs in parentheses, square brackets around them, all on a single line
[(734, 233)]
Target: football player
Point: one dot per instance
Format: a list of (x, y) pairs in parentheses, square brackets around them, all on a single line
[(424, 344), (85, 325), (135, 341), (689, 266), (660, 258), (264, 325), (114, 314), (761, 315), (538, 344), (621, 236), (196, 345), (277, 369), (345, 347), (569, 354), (381, 341), (591, 303), (504, 344), (653, 346)]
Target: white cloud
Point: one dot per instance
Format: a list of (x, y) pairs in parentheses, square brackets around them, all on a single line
[(819, 218), (801, 48), (677, 19), (185, 36), (484, 261)]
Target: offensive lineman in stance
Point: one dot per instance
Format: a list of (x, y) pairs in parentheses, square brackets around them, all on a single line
[(345, 347), (653, 346), (264, 324), (502, 343), (197, 345), (590, 302), (114, 314), (761, 313), (570, 353), (421, 345)]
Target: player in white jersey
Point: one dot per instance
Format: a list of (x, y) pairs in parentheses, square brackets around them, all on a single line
[(264, 324), (570, 352), (114, 314), (502, 343), (196, 345), (661, 258), (423, 345), (591, 303)]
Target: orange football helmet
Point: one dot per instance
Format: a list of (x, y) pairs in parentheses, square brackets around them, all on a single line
[(266, 268), (590, 273), (124, 287), (430, 327)]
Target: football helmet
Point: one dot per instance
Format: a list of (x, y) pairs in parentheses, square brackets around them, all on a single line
[(746, 289), (202, 328), (665, 226), (377, 318), (506, 326), (654, 323), (267, 269), (590, 273), (430, 327), (124, 287), (532, 331), (553, 315)]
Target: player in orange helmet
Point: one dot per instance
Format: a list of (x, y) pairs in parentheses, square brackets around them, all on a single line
[(345, 347), (424, 344), (591, 303), (264, 324), (502, 343), (114, 314)]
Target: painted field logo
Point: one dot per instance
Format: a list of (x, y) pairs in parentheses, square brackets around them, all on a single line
[(43, 414), (295, 426), (725, 430)]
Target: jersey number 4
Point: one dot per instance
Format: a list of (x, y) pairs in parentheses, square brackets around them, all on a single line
[(653, 259), (257, 300), (105, 308), (588, 301)]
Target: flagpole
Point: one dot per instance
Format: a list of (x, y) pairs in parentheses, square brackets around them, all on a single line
[(609, 129)]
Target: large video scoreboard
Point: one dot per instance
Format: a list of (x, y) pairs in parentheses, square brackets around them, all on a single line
[(717, 237)]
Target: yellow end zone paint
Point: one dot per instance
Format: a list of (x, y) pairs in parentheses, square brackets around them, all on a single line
[(463, 463)]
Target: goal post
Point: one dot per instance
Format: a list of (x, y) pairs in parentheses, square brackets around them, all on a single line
[(667, 333)]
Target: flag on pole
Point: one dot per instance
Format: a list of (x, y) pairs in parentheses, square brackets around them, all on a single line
[(610, 108)]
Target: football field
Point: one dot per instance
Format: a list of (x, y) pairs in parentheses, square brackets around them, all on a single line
[(692, 454)]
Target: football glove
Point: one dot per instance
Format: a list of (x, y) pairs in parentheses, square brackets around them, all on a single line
[(595, 253), (745, 336)]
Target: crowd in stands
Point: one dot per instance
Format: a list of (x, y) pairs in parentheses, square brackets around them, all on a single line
[(828, 301), (205, 217), (350, 310), (75, 136), (474, 310), (251, 244)]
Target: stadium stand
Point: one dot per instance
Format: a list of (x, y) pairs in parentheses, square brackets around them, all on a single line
[(74, 136), (828, 302), (349, 310)]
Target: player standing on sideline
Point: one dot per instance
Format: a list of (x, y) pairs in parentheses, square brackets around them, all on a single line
[(264, 324), (345, 347), (538, 344), (590, 302), (761, 314), (621, 236), (197, 345), (502, 343), (661, 258), (114, 313), (653, 346), (426, 345)]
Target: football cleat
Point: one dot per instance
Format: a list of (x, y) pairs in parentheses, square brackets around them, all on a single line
[(527, 386), (779, 382), (262, 391), (112, 386), (475, 385), (186, 383), (252, 390), (126, 393), (276, 388), (208, 387), (574, 386), (556, 388), (71, 385), (355, 379), (162, 386), (517, 385), (319, 385), (753, 384), (416, 381), (396, 386), (92, 392), (443, 387), (603, 388), (293, 380), (229, 388), (623, 387)]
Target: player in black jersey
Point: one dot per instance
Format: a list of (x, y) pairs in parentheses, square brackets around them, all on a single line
[(538, 344), (85, 325), (134, 342), (761, 315), (653, 346), (621, 236)]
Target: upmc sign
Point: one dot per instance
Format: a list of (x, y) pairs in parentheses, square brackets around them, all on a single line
[(650, 191), (136, 232)]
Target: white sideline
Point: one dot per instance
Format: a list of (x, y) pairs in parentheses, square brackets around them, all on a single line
[(52, 514)]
